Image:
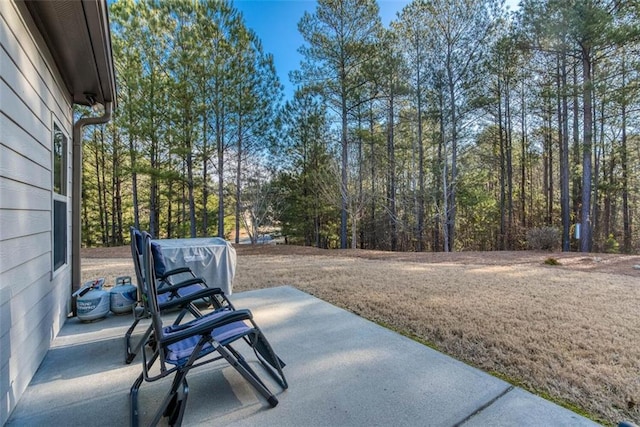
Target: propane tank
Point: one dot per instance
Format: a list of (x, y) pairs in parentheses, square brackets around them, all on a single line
[(92, 302), (123, 295)]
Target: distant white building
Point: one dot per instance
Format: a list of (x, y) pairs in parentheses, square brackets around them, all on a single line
[(53, 54)]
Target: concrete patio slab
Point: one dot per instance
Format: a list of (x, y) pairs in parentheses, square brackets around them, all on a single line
[(342, 371)]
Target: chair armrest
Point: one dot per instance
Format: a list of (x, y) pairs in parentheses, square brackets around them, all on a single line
[(204, 325), (188, 299), (175, 271), (176, 287)]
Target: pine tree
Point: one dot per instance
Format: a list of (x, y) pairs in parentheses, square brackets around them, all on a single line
[(341, 38)]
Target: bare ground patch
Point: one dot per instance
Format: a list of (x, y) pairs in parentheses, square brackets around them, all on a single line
[(569, 332)]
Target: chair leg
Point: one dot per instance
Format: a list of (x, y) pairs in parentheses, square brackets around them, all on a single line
[(268, 358), (131, 352), (133, 401), (247, 373), (173, 404), (180, 404), (170, 406)]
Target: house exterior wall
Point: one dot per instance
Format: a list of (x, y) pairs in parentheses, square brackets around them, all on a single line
[(34, 299)]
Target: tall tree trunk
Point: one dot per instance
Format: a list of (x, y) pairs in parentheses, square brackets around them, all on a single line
[(154, 214), (114, 168), (190, 186), (182, 215), (420, 231), (501, 140), (310, 165), (576, 187), (551, 196), (101, 210), (547, 157), (316, 199), (117, 190), (626, 217), (154, 205), (509, 154), (169, 216), (563, 117), (444, 161), (86, 227), (608, 216), (220, 152), (344, 178), (438, 225), (105, 198), (374, 228), (599, 159), (134, 184), (391, 174), (238, 180), (451, 216), (360, 199), (132, 158), (205, 175), (585, 212), (523, 161)]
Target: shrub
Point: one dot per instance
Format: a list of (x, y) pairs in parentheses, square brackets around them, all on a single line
[(543, 238), (611, 245)]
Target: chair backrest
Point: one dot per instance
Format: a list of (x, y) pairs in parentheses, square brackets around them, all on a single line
[(136, 253), (150, 290), (137, 249)]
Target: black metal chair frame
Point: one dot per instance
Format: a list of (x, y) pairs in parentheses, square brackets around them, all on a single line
[(213, 296), (211, 344)]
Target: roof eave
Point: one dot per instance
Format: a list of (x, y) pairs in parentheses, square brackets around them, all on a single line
[(78, 36)]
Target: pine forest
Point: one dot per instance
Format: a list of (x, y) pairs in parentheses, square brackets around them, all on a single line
[(460, 126)]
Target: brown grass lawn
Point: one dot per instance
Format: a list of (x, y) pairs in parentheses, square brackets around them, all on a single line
[(570, 333)]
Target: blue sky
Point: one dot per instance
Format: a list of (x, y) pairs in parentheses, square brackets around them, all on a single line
[(276, 24)]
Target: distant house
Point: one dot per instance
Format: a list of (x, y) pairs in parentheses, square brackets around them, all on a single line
[(53, 54)]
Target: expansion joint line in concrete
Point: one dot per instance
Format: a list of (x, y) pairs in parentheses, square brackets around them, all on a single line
[(483, 407)]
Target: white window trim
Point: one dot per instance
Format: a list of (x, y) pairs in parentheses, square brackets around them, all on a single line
[(58, 197)]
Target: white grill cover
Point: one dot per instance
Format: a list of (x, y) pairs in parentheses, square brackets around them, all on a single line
[(211, 258)]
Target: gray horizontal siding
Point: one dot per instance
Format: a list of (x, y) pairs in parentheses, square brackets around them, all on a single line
[(13, 166), (40, 299), (13, 281), (18, 195), (30, 335), (15, 252), (17, 111), (10, 131), (27, 66), (33, 300), (16, 223)]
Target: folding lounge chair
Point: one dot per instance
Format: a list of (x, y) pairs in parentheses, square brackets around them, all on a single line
[(169, 289), (180, 348)]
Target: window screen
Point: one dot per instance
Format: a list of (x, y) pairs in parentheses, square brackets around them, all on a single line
[(59, 198), (59, 161), (59, 234)]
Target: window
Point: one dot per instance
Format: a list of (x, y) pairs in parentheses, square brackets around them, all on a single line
[(59, 161), (59, 198)]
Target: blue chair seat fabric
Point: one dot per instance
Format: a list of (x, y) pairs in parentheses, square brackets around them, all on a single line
[(178, 353), (164, 297)]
